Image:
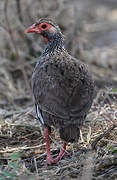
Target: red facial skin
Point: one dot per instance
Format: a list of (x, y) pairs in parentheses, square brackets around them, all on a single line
[(39, 29)]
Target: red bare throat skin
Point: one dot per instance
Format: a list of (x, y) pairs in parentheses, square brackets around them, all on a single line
[(46, 39)]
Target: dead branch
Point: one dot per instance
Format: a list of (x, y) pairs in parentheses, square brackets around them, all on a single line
[(94, 143), (17, 149), (19, 12)]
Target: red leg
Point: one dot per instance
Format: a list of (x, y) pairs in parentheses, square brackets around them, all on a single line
[(62, 151), (49, 159)]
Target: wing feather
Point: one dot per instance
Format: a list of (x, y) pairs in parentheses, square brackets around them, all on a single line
[(63, 92)]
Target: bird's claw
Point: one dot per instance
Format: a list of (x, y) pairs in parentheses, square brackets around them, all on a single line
[(50, 160), (64, 155)]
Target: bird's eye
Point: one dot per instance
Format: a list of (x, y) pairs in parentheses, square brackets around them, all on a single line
[(44, 26)]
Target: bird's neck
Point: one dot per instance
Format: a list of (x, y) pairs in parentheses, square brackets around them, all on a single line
[(56, 43)]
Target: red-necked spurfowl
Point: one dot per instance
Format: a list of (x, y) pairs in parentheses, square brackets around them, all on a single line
[(62, 85)]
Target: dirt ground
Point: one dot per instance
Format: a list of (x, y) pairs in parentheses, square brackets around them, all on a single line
[(90, 29)]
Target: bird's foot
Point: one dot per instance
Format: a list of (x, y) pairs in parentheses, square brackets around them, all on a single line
[(50, 160), (58, 158), (64, 155)]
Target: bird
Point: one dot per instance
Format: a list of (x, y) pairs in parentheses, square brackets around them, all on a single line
[(63, 88)]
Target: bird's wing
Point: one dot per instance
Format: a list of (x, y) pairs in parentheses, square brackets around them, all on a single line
[(50, 97), (63, 96)]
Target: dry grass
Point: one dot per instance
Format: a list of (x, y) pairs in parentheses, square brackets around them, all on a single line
[(90, 30), (85, 162)]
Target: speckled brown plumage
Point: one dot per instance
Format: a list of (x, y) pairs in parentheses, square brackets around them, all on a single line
[(63, 87)]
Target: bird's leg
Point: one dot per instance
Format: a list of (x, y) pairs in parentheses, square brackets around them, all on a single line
[(62, 152), (49, 159)]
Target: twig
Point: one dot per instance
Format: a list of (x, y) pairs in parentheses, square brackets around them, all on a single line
[(21, 148), (15, 47), (65, 167), (35, 164), (19, 10), (106, 162), (94, 143), (109, 140)]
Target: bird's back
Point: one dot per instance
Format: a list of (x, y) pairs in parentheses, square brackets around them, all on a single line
[(63, 89)]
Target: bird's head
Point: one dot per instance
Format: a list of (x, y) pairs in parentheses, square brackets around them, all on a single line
[(46, 27)]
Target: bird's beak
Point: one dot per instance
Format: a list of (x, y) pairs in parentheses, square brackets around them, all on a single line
[(32, 28)]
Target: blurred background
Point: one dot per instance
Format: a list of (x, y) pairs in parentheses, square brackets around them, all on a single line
[(90, 29)]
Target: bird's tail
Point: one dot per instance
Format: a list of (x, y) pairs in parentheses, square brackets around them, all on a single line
[(70, 133)]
